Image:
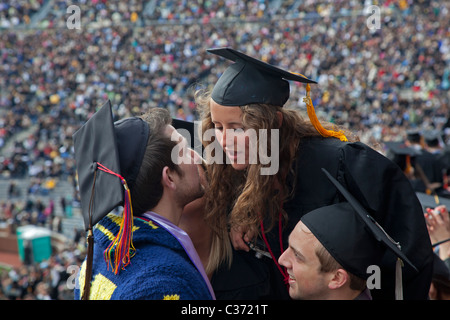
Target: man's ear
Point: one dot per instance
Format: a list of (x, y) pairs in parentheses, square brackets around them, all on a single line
[(340, 278), (280, 119), (167, 178)]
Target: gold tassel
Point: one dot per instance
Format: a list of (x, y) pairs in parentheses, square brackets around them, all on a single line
[(315, 122)]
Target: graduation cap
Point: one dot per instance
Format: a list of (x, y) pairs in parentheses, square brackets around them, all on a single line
[(432, 201), (189, 130), (404, 157), (100, 144), (185, 127), (432, 137), (400, 148), (414, 135), (353, 237), (401, 154), (252, 81), (249, 80), (108, 158)]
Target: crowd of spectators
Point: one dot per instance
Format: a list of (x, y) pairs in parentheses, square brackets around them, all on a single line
[(53, 279), (378, 83), (95, 12), (16, 12), (140, 54)]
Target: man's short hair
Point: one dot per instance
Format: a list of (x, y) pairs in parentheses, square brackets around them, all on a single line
[(148, 189), (329, 264)]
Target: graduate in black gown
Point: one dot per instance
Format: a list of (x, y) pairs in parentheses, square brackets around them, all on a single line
[(253, 211), (334, 253)]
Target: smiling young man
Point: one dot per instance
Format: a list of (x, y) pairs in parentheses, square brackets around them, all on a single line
[(331, 249), (314, 274)]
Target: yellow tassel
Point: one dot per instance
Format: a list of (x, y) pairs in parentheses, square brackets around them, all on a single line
[(313, 118)]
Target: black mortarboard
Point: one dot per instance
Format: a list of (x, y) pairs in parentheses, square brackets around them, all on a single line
[(432, 137), (413, 135), (401, 149), (249, 80), (350, 234), (118, 146), (401, 154), (108, 158), (431, 201), (191, 128)]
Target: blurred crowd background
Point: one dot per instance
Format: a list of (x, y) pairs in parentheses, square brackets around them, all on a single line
[(378, 83)]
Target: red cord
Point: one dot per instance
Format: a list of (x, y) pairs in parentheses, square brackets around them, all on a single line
[(283, 272), (105, 169)]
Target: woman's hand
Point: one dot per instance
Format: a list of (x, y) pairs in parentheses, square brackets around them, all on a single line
[(438, 224), (240, 235)]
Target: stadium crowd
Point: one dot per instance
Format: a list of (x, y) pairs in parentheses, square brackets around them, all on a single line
[(16, 12), (52, 279), (379, 83)]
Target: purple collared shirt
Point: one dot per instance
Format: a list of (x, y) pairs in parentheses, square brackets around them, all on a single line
[(185, 242)]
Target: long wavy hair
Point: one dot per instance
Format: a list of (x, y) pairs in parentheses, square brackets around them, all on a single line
[(244, 198)]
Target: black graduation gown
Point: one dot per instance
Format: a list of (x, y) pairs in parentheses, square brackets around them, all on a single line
[(378, 184), (432, 167)]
